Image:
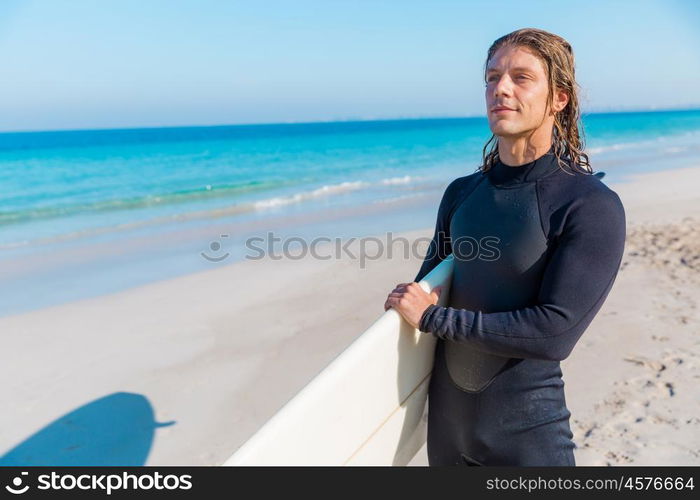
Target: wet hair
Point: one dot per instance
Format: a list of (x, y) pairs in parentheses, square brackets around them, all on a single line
[(557, 57)]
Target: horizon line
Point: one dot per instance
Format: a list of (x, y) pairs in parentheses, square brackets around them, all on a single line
[(339, 120)]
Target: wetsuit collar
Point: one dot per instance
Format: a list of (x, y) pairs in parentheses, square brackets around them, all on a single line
[(501, 174)]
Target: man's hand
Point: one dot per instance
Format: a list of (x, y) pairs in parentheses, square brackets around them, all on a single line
[(411, 301)]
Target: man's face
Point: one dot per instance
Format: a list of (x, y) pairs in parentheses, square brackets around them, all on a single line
[(516, 79)]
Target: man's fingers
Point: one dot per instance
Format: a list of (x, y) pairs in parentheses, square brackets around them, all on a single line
[(391, 301), (403, 285), (395, 294)]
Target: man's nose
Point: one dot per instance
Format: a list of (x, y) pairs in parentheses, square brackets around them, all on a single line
[(504, 86)]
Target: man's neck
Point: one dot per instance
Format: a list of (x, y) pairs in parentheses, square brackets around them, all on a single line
[(520, 152)]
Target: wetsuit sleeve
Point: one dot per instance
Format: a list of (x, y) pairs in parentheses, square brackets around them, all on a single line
[(440, 246), (576, 281)]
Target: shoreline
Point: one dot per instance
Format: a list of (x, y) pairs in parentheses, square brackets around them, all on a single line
[(117, 262), (219, 351)]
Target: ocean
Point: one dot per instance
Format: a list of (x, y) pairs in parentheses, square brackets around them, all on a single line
[(83, 213)]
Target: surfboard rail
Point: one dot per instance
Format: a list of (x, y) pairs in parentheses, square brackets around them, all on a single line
[(367, 407)]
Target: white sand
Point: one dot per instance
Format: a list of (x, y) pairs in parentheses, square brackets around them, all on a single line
[(219, 352)]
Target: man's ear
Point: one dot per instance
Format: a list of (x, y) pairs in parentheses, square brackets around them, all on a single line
[(561, 99)]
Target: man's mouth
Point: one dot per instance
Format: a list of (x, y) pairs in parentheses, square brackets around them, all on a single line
[(501, 109)]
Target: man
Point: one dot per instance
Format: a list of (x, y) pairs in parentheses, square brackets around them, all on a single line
[(550, 242)]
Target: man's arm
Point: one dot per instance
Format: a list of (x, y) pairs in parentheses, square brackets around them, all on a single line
[(576, 282)]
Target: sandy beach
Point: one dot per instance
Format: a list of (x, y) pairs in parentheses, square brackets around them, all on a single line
[(216, 353)]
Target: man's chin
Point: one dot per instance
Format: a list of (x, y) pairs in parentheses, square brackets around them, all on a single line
[(505, 132)]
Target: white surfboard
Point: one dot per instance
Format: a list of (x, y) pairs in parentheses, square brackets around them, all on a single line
[(367, 407)]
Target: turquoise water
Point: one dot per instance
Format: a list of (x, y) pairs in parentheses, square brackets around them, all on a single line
[(56, 183), (112, 191)]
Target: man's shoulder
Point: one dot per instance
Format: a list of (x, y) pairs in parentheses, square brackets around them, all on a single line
[(576, 195), (574, 185), (467, 182)]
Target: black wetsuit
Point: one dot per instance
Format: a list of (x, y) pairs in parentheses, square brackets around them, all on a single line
[(536, 251)]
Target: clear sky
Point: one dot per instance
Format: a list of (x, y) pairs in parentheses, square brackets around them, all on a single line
[(128, 63)]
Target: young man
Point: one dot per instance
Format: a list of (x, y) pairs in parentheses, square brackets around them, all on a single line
[(550, 242)]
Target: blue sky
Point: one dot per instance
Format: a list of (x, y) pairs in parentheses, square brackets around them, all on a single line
[(71, 64)]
